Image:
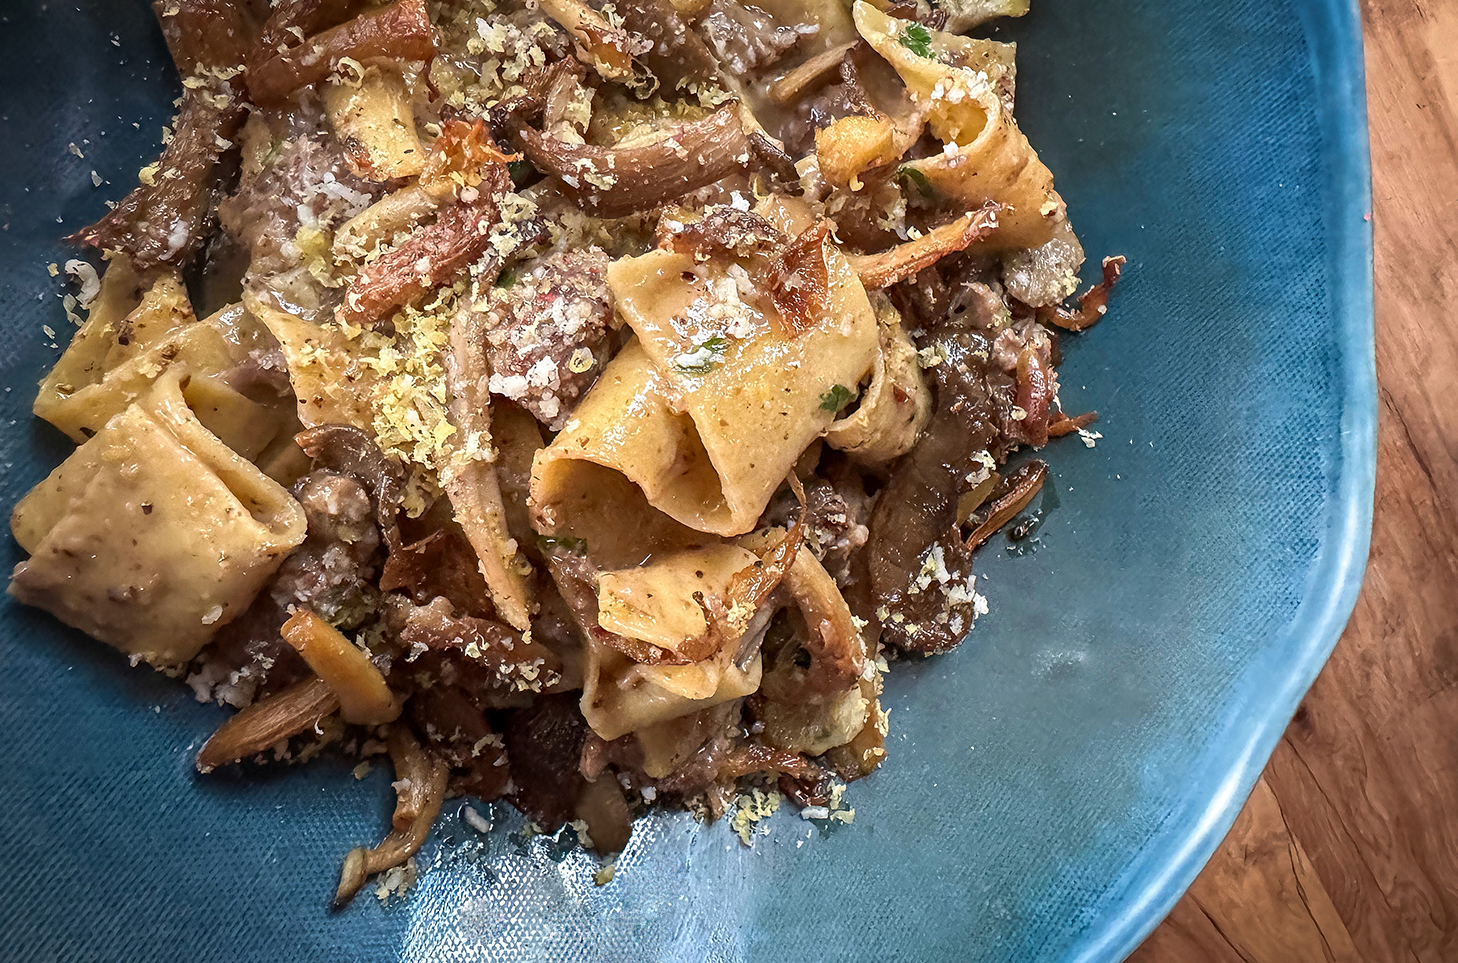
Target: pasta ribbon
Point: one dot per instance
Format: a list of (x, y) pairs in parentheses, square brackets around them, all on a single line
[(662, 602), (140, 327), (895, 407), (708, 409), (620, 696), (153, 534), (985, 156)]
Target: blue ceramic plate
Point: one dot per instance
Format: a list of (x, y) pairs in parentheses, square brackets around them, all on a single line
[(1053, 785)]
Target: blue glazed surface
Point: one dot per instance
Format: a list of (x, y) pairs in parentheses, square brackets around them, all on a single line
[(1053, 785)]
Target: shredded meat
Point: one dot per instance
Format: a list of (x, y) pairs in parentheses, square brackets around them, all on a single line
[(747, 39), (308, 187), (919, 565), (432, 256), (836, 517), (545, 747), (444, 565), (454, 725), (331, 573), (548, 333), (722, 231), (496, 655)]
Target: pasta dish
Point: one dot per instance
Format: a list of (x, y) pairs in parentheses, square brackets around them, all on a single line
[(581, 403)]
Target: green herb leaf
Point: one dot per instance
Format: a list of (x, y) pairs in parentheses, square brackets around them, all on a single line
[(917, 39), (522, 173), (917, 180), (273, 152), (507, 278), (705, 356), (836, 398), (568, 543)]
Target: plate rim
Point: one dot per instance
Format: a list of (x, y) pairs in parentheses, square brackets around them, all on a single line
[(1162, 873)]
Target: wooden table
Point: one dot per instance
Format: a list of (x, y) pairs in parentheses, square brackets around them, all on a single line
[(1348, 848)]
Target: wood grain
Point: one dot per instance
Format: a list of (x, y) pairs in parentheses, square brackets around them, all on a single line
[(1348, 848)]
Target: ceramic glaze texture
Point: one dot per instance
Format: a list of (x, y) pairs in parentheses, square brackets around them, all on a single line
[(1053, 785)]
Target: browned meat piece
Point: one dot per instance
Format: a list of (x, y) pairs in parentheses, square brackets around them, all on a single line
[(495, 655), (678, 56), (747, 39), (308, 187), (837, 510), (723, 231), (544, 744), (348, 451), (919, 565), (401, 30), (548, 333), (455, 727)]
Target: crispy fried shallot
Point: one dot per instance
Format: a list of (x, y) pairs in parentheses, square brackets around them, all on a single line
[(751, 587), (420, 785), (268, 722), (400, 30), (904, 260), (1010, 497), (1093, 304), (800, 280), (610, 50), (364, 698), (1063, 425), (432, 256), (617, 181), (1035, 396), (462, 156)]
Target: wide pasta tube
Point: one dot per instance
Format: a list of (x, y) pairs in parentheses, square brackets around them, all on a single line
[(140, 328), (153, 534), (708, 409), (986, 157), (895, 406), (620, 696)]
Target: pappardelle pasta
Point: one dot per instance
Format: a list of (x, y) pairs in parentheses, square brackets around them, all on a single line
[(582, 403)]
